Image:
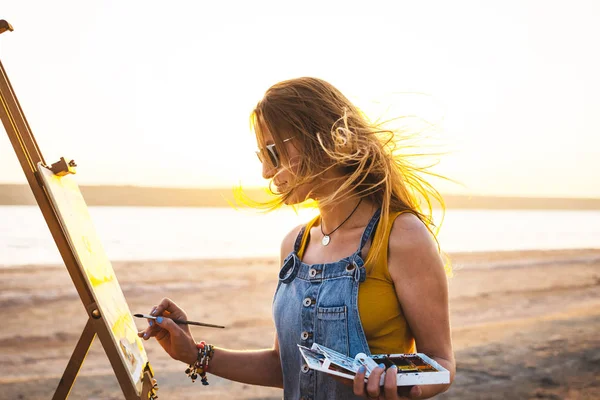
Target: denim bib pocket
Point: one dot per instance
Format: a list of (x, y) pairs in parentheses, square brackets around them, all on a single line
[(332, 328)]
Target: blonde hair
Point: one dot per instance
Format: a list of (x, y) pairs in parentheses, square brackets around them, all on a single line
[(332, 133)]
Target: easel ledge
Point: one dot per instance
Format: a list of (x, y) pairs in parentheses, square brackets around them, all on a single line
[(30, 158)]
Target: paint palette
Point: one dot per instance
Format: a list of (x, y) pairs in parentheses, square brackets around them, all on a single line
[(413, 369)]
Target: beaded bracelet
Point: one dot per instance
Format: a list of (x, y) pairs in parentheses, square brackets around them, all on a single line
[(200, 366)]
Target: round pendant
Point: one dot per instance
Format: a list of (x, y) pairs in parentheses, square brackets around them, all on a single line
[(325, 240)]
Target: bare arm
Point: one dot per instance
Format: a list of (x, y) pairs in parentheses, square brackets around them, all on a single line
[(422, 289), (258, 367)]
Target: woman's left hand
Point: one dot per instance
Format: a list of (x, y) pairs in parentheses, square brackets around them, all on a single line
[(389, 390)]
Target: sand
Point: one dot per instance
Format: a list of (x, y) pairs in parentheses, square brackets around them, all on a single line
[(524, 324)]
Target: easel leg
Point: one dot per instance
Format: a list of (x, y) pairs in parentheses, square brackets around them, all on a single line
[(72, 369)]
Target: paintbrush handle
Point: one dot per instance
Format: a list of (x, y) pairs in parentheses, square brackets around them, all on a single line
[(179, 321)]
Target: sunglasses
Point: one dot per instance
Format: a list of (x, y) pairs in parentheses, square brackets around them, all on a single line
[(269, 153)]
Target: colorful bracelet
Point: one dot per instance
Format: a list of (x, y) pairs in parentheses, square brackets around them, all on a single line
[(200, 366)]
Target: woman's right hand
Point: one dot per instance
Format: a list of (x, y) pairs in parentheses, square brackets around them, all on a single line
[(177, 340)]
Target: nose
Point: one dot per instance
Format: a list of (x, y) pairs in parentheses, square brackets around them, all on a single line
[(268, 171)]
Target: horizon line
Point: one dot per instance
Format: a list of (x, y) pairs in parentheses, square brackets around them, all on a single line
[(230, 187)]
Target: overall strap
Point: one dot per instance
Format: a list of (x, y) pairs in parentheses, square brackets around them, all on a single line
[(299, 238), (303, 237), (369, 229)]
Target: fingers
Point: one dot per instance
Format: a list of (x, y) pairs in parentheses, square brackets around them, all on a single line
[(162, 327), (169, 325), (390, 390), (373, 384), (151, 331), (390, 387), (359, 382), (154, 329), (168, 306)]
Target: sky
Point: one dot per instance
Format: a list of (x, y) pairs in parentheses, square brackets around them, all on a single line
[(159, 93)]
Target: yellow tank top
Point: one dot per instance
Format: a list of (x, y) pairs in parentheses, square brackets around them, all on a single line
[(380, 312)]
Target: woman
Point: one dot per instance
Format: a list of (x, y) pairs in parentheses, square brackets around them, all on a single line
[(364, 276)]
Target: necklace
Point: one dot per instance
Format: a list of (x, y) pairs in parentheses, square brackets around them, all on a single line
[(327, 236)]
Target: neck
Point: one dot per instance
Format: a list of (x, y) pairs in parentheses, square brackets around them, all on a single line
[(334, 215)]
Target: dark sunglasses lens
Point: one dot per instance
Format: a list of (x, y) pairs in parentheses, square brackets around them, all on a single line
[(273, 157), (268, 155)]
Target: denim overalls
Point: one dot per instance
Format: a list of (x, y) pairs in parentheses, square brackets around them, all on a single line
[(319, 303)]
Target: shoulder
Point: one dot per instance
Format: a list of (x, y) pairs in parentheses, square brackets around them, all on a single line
[(409, 231), (412, 248), (287, 244)]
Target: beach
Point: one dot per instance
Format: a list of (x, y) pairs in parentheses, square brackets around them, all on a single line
[(524, 325)]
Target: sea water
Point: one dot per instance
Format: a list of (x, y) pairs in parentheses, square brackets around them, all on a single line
[(166, 233)]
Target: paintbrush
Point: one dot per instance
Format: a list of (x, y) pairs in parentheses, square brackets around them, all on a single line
[(180, 321)]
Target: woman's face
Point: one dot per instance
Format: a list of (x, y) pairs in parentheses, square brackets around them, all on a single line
[(284, 175)]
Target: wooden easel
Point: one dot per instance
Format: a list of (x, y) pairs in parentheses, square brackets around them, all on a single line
[(30, 158)]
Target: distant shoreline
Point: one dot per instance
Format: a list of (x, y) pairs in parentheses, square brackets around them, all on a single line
[(140, 196)]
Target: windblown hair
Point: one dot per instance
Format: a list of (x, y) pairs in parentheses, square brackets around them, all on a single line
[(332, 133)]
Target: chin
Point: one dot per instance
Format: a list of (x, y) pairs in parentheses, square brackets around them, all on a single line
[(296, 198), (292, 198), (290, 201)]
